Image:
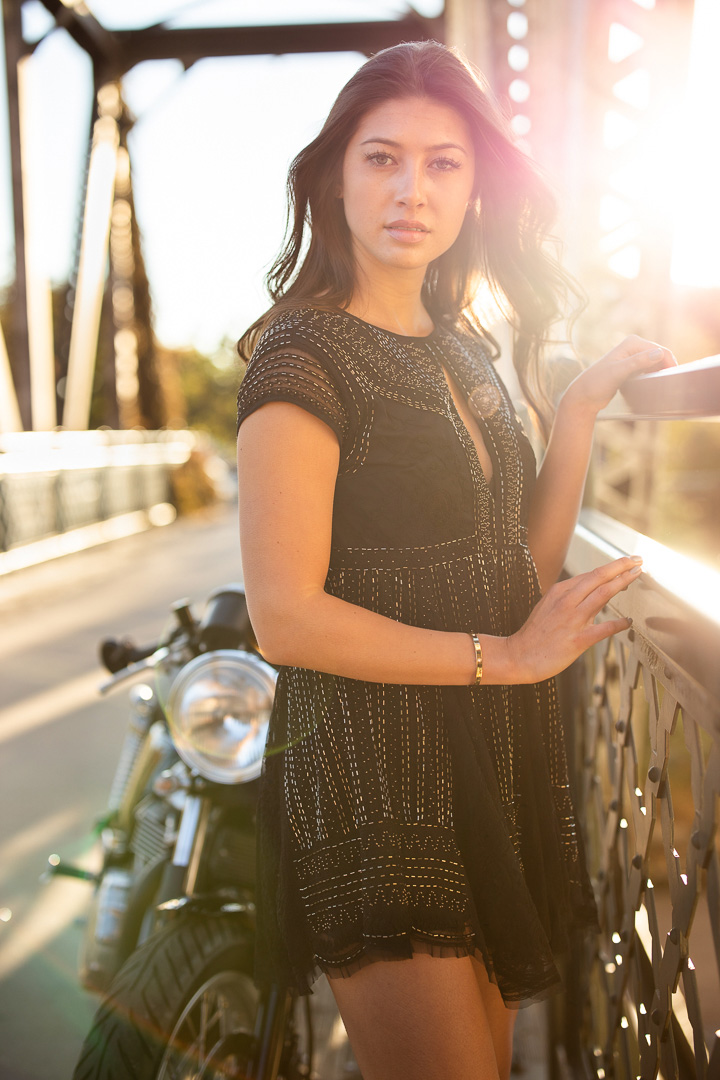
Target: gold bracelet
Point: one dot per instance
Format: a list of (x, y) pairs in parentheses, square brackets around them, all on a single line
[(478, 658)]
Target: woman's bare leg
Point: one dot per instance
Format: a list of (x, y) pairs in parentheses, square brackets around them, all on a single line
[(501, 1020), (418, 1019)]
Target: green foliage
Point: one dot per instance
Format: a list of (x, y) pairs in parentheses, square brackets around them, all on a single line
[(209, 391)]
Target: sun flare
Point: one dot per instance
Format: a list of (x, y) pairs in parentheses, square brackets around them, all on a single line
[(696, 251)]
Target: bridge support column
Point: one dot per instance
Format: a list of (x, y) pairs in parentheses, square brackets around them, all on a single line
[(20, 348)]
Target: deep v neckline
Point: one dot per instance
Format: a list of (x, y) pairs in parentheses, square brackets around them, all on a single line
[(475, 433)]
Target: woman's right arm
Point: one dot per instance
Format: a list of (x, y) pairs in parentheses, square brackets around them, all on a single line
[(287, 466)]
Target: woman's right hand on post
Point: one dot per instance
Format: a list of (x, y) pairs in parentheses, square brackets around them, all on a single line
[(561, 626)]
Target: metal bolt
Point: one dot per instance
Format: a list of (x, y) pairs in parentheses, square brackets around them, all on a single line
[(637, 861), (674, 935), (620, 726), (657, 1016), (598, 688), (696, 840), (654, 774), (613, 805)]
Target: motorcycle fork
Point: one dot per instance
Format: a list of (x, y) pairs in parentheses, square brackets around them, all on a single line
[(180, 876), (272, 1016)]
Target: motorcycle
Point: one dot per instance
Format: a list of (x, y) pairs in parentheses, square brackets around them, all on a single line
[(170, 936)]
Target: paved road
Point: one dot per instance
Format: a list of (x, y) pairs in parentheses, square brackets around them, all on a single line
[(58, 748)]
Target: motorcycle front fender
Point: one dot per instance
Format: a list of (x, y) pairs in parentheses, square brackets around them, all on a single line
[(211, 904)]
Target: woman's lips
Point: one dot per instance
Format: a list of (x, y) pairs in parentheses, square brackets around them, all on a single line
[(407, 232)]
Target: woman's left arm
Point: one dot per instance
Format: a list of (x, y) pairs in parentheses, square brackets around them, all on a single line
[(561, 480)]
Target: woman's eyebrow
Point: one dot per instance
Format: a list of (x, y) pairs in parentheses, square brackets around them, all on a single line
[(437, 146)]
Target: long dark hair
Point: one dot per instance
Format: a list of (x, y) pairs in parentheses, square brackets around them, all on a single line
[(502, 239)]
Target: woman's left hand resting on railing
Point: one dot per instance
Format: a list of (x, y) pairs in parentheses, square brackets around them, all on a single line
[(561, 480), (597, 385)]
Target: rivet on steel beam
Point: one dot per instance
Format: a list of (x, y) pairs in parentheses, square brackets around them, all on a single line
[(657, 1016), (637, 861), (654, 774), (674, 935), (620, 726)]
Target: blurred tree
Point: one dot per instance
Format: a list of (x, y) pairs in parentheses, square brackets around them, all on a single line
[(209, 387)]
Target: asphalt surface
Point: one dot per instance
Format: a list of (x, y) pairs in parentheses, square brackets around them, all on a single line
[(59, 743)]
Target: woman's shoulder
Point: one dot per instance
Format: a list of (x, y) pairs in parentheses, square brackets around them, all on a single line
[(292, 361), (307, 349), (311, 329)]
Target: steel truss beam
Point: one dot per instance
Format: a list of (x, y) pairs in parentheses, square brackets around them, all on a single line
[(115, 52), (100, 44), (19, 341)]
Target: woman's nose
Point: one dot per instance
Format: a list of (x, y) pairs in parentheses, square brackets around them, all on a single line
[(411, 186)]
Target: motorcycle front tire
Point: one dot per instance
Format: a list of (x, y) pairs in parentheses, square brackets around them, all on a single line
[(183, 1004)]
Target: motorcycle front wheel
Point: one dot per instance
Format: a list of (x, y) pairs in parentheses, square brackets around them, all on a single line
[(182, 1007)]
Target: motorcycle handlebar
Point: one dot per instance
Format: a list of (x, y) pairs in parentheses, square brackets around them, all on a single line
[(116, 655)]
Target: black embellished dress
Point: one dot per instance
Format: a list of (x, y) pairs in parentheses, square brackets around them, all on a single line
[(396, 819)]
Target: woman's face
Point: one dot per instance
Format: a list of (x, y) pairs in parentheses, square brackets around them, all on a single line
[(407, 177)]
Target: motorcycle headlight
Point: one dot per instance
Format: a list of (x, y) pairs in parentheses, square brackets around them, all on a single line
[(218, 710)]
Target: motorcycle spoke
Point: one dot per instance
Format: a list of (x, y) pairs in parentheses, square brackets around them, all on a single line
[(203, 1026), (220, 1016), (225, 1013), (191, 1026)]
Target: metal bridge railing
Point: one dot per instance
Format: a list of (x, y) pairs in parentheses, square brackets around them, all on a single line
[(57, 483), (644, 731)]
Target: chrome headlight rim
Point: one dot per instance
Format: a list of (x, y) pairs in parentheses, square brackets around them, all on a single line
[(252, 667)]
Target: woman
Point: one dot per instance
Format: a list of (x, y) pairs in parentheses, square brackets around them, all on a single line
[(415, 802)]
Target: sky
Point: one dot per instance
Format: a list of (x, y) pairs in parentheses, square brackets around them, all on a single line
[(210, 151)]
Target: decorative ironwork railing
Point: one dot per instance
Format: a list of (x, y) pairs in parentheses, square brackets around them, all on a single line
[(644, 727)]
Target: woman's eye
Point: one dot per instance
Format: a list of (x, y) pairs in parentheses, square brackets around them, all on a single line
[(378, 158), (446, 164), (443, 164)]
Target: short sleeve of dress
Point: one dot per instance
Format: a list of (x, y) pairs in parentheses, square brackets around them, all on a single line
[(288, 367)]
